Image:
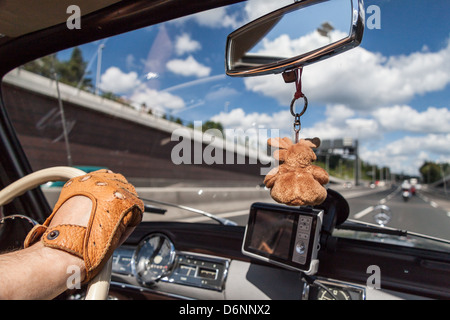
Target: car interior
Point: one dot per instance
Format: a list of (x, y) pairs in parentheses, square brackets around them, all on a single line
[(211, 229)]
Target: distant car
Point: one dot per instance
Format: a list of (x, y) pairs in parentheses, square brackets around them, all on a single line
[(59, 184), (348, 184)]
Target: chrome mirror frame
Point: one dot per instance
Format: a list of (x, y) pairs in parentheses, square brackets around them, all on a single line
[(353, 40)]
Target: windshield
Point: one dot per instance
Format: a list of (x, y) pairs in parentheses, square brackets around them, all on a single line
[(137, 103)]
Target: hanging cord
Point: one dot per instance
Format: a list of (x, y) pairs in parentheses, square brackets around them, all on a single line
[(298, 84), (297, 95)]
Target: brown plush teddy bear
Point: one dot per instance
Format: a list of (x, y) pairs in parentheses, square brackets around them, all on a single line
[(296, 181)]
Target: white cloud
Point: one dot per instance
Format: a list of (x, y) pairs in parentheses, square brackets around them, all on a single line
[(188, 67), (422, 72), (239, 119), (220, 18), (363, 80), (257, 127), (396, 118), (214, 18), (116, 81), (338, 113), (184, 44), (341, 122), (285, 47), (407, 154), (258, 8), (138, 93), (156, 100)]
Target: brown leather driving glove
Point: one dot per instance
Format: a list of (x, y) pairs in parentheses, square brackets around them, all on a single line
[(115, 206)]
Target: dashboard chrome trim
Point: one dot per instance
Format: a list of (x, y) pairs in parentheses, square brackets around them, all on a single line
[(343, 285), (124, 264), (202, 258), (148, 290)]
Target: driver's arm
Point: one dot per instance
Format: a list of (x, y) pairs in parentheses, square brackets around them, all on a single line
[(90, 222), (40, 272)]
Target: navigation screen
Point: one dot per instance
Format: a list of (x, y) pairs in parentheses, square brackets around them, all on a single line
[(282, 235), (272, 233)]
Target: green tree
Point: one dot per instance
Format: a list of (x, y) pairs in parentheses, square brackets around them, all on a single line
[(212, 125), (110, 95), (70, 72), (430, 172), (43, 66), (172, 118), (208, 125), (73, 71)]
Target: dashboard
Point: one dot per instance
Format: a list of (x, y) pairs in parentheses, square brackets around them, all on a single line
[(188, 272), (148, 265), (163, 260)]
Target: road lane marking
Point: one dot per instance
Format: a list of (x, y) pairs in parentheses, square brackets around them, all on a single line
[(362, 213), (434, 204), (367, 210)]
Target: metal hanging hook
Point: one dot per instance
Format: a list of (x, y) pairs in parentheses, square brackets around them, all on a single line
[(297, 123), (305, 106), (296, 76)]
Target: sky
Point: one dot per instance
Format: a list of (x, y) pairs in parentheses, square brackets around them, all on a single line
[(391, 93)]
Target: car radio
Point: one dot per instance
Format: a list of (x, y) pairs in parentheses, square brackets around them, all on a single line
[(285, 236)]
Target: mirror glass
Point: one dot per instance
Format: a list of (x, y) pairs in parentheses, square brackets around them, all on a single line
[(295, 35)]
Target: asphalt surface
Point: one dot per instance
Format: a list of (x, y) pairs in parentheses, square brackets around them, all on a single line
[(421, 213)]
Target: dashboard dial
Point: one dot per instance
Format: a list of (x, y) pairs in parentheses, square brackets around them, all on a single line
[(153, 258), (338, 293)]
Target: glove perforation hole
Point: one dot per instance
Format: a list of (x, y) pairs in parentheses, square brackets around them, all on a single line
[(85, 178), (68, 183), (119, 195)]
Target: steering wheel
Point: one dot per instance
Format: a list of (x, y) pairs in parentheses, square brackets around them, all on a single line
[(98, 287)]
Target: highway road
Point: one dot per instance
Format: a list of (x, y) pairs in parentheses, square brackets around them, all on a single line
[(422, 213)]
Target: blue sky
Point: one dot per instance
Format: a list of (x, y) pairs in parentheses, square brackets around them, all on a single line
[(392, 93)]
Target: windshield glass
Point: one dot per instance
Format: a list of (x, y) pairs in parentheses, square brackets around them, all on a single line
[(137, 103)]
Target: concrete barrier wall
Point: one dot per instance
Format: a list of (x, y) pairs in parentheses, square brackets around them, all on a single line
[(212, 200)]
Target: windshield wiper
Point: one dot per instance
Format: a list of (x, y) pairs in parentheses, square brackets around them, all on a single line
[(367, 227), (372, 228), (222, 221)]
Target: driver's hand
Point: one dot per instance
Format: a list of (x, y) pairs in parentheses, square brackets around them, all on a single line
[(94, 214)]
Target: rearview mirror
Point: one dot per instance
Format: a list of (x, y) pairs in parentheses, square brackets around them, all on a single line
[(294, 36)]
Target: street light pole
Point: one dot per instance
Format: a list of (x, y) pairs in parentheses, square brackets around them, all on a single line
[(99, 66), (357, 164), (63, 121)]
